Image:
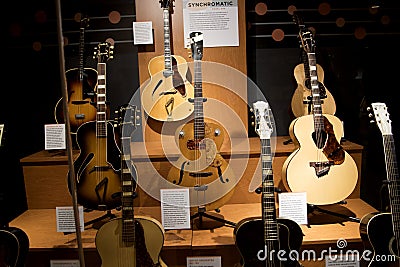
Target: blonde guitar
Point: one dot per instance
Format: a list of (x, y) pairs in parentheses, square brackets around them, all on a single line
[(199, 142), (319, 166), (129, 241), (166, 96), (301, 103)]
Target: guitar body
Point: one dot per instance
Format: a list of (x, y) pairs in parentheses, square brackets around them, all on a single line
[(249, 239), (149, 240), (203, 157), (303, 93), (81, 98), (14, 247), (298, 175), (174, 104), (377, 235), (97, 168)]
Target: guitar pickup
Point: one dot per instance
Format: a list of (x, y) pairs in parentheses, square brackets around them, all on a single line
[(191, 100), (200, 174), (79, 116)]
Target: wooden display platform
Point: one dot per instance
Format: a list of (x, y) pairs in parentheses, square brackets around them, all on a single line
[(323, 232), (45, 172)]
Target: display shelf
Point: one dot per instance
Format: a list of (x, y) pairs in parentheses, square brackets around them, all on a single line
[(45, 172), (323, 231)]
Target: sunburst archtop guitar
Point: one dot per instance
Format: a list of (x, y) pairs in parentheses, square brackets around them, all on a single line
[(98, 164), (319, 166), (81, 85), (166, 96), (381, 231), (257, 237)]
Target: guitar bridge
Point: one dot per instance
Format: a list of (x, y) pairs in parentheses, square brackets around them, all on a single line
[(321, 168)]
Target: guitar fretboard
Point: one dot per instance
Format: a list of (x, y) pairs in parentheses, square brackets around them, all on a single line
[(199, 131), (167, 43), (271, 233), (268, 193), (394, 183), (316, 99), (101, 115)]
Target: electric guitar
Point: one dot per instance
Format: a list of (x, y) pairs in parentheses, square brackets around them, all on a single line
[(81, 84), (166, 96), (257, 237), (129, 241), (302, 98), (319, 165), (98, 163), (375, 228), (199, 142), (14, 247)]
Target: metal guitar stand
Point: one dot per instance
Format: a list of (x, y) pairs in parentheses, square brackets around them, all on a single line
[(312, 208), (200, 224)]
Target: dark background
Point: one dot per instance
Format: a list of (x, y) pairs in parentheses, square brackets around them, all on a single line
[(359, 69)]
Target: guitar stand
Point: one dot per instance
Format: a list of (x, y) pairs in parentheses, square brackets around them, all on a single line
[(218, 220), (98, 222), (311, 208)]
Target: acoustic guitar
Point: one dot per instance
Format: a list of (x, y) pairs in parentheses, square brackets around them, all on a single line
[(319, 165), (301, 103), (199, 142), (380, 232), (14, 247), (166, 96), (97, 165), (257, 237), (81, 88), (129, 241)]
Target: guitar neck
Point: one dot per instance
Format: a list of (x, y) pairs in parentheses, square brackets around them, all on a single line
[(81, 49), (167, 41), (199, 131), (393, 178), (268, 194), (306, 64), (101, 115), (316, 99)]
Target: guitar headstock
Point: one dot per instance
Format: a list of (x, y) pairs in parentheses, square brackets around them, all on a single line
[(103, 52), (381, 118), (127, 119), (307, 40), (84, 21), (166, 4), (196, 44), (263, 119)]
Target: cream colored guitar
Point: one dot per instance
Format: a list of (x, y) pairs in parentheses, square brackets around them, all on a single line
[(302, 98), (129, 241), (319, 166), (166, 96)]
